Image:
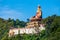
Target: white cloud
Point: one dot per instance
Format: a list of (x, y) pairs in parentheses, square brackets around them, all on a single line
[(6, 12)]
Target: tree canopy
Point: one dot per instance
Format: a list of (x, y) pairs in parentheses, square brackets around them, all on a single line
[(51, 32)]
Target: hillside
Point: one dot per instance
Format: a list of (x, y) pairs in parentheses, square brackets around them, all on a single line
[(5, 25), (52, 31)]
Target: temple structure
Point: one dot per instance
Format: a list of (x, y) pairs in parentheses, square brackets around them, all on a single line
[(33, 26), (35, 20)]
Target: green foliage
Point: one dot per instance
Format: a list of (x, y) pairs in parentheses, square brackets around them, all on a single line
[(52, 31), (5, 25)]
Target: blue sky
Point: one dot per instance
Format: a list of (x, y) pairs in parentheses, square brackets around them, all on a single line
[(23, 9)]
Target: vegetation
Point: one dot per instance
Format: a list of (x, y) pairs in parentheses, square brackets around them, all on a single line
[(52, 31), (5, 25)]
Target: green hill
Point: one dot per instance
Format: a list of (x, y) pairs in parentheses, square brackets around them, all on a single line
[(52, 31), (5, 25)]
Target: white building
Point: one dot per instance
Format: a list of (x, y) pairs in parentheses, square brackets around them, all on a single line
[(16, 31)]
